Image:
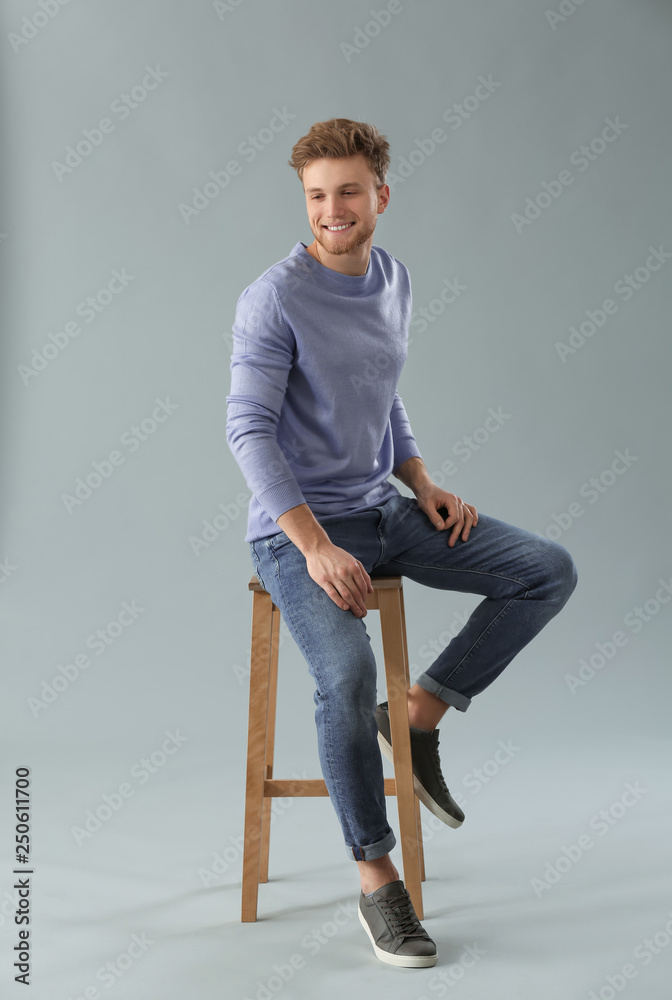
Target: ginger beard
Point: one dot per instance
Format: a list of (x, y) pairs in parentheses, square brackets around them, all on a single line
[(348, 240)]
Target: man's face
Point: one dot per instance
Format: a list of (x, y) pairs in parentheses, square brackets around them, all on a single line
[(343, 192)]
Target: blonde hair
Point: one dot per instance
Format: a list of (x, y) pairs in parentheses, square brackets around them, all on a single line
[(340, 137)]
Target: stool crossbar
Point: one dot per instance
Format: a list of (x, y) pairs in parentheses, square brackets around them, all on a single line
[(261, 786)]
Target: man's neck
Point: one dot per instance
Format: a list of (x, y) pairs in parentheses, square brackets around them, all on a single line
[(354, 264)]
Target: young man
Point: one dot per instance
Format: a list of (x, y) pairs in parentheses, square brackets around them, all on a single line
[(317, 427)]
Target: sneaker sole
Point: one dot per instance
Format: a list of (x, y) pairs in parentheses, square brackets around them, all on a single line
[(408, 961), (421, 791)]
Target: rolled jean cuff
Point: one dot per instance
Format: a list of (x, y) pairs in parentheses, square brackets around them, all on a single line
[(370, 852), (454, 698)]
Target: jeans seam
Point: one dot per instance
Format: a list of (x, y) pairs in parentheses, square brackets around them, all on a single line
[(479, 639), (476, 572), (300, 644)]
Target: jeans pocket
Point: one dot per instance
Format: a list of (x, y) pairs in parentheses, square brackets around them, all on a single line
[(279, 541), (256, 564)]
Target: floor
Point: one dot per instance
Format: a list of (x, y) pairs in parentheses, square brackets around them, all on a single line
[(558, 884)]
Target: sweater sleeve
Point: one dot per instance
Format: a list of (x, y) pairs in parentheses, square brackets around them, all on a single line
[(405, 446), (263, 351)]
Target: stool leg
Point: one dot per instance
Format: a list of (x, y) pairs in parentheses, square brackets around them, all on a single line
[(270, 744), (260, 668), (418, 828), (407, 682), (391, 622)]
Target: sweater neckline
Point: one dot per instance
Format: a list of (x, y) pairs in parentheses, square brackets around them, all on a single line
[(348, 282)]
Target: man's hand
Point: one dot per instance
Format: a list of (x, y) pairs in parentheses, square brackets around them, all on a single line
[(459, 515), (341, 576)]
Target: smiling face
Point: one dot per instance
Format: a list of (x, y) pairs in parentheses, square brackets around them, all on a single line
[(343, 203)]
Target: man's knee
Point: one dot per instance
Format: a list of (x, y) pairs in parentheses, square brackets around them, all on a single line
[(559, 569)]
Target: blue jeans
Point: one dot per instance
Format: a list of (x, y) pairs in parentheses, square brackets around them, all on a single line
[(525, 580)]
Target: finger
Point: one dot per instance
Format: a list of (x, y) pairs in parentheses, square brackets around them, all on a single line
[(435, 516), (455, 533), (356, 602), (468, 523), (357, 585), (367, 581), (335, 596), (452, 514)]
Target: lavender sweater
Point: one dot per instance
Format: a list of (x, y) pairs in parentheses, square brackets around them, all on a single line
[(313, 415)]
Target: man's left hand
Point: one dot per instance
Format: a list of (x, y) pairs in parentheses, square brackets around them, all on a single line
[(461, 516)]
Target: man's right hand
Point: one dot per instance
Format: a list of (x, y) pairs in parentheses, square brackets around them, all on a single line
[(341, 576)]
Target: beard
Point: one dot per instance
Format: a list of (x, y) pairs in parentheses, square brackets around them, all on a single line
[(341, 245)]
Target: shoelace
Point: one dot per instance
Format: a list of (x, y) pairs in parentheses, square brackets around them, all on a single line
[(437, 761), (433, 746), (402, 916)]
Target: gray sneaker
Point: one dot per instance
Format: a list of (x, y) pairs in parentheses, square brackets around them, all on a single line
[(428, 780), (396, 934)]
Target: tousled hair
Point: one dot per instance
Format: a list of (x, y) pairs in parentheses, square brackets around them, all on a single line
[(339, 137)]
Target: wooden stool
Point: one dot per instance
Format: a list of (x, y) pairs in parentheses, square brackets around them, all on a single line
[(261, 786)]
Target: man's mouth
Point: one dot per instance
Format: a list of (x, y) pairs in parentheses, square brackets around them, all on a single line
[(340, 228)]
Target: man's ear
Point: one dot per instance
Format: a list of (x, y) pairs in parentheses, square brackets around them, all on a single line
[(383, 198)]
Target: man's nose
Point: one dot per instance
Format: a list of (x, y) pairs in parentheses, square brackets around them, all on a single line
[(333, 207)]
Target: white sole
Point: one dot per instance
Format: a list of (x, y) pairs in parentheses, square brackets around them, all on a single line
[(407, 961), (422, 794)]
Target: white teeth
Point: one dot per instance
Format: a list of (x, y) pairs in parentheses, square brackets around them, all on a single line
[(337, 229)]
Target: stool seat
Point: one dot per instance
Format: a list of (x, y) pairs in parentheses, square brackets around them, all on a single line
[(261, 786)]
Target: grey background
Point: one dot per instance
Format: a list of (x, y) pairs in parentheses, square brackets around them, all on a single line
[(180, 665)]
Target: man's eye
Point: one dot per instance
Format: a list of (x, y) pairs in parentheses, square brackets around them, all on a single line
[(313, 197)]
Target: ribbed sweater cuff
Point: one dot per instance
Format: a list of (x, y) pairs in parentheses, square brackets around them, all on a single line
[(403, 452), (281, 497)]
